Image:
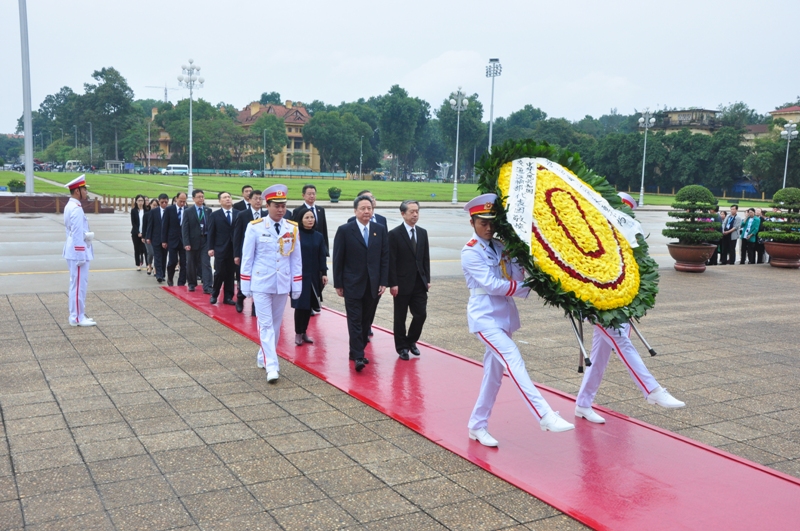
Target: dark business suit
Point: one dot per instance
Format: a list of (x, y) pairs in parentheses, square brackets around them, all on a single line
[(321, 224), (154, 234), (239, 228), (410, 271), (241, 205), (194, 231), (377, 218), (171, 233), (220, 240), (139, 250), (360, 269)]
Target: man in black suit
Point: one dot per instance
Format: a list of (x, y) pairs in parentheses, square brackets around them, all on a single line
[(172, 240), (409, 278), (194, 232), (376, 218), (360, 273), (244, 204), (154, 237), (220, 247), (253, 211)]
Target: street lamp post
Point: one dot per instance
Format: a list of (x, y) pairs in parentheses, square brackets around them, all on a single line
[(62, 135), (493, 70), (91, 147), (75, 130), (264, 169), (646, 121), (148, 146), (789, 133), (458, 102), (190, 80), (361, 158), (27, 113)]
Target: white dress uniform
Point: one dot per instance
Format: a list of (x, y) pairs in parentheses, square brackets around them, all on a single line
[(271, 268), (78, 253), (493, 280)]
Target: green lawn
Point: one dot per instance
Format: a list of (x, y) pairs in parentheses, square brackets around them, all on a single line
[(152, 185)]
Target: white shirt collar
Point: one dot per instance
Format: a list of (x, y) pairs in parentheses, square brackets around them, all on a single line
[(362, 227), (310, 207)]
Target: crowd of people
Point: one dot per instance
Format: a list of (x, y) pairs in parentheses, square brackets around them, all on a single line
[(742, 233)]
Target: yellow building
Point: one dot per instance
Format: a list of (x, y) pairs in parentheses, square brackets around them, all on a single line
[(790, 114), (703, 121), (297, 154)]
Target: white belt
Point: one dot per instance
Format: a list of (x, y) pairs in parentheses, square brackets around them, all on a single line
[(477, 291)]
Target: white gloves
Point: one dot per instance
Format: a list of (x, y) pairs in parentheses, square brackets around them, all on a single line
[(88, 237), (81, 262), (247, 293), (295, 295)]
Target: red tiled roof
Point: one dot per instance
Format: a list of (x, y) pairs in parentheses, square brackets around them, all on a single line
[(294, 115), (792, 109), (757, 129)]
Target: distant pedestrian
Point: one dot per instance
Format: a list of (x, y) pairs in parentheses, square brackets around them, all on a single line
[(150, 207), (78, 251), (137, 227)]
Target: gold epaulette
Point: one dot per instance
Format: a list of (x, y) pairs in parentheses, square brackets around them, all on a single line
[(256, 221), (292, 222)]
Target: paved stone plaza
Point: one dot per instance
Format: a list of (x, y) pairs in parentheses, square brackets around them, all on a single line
[(158, 418)]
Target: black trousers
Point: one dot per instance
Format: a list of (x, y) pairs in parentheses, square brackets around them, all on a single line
[(749, 250), (198, 263), (223, 276), (359, 318), (177, 255), (728, 254), (417, 303), (139, 250), (159, 260), (301, 319), (760, 252), (713, 259)]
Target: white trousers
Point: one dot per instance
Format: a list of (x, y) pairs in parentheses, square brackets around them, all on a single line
[(269, 311), (604, 340), (502, 353), (78, 279)]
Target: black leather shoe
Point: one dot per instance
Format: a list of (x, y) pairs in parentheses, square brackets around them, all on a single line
[(307, 339), (370, 333), (403, 353), (414, 350), (212, 300), (191, 288), (229, 301), (169, 282), (239, 306), (360, 365), (207, 291)]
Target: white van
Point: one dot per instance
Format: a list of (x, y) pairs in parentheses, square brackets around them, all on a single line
[(176, 169), (72, 165)]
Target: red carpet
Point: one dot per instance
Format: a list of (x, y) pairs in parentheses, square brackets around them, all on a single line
[(622, 475)]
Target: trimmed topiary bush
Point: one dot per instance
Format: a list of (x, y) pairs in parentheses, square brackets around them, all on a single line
[(693, 206), (783, 224)]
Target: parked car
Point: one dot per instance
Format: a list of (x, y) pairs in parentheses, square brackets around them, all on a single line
[(149, 170)]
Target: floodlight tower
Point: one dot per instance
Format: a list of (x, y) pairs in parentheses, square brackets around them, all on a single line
[(789, 133), (493, 70), (190, 80), (458, 102), (646, 121)]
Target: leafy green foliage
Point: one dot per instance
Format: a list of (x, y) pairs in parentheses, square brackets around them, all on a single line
[(337, 137), (268, 98), (784, 222), (547, 288), (693, 204)]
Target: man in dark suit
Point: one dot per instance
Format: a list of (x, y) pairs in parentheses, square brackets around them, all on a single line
[(253, 211), (409, 278), (172, 240), (244, 204), (154, 237), (194, 232), (220, 247), (360, 273)]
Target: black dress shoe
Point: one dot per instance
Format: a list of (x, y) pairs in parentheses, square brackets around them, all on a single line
[(366, 360), (160, 280), (239, 306), (307, 339), (191, 288), (212, 300), (207, 291), (360, 365), (403, 353), (169, 282), (370, 333), (414, 350), (229, 301)]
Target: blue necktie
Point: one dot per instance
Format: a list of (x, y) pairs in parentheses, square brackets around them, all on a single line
[(366, 237), (180, 218), (228, 214)]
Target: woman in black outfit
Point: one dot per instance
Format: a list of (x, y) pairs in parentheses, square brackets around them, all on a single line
[(315, 271), (137, 229), (145, 222)]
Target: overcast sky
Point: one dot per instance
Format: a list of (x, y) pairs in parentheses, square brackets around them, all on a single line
[(569, 57)]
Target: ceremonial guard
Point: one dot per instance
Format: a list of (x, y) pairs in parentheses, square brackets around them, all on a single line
[(604, 341), (493, 279), (77, 251), (271, 269)]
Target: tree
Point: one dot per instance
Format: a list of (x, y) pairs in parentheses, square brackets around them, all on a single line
[(317, 105), (109, 105), (268, 98), (471, 131), (399, 116), (726, 156), (738, 115), (276, 137), (337, 137)]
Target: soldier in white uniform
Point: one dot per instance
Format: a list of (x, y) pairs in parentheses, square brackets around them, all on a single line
[(77, 251), (493, 279), (603, 342), (271, 269)]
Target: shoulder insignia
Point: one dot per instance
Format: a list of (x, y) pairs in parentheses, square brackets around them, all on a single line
[(255, 221), (292, 222), (472, 242)]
